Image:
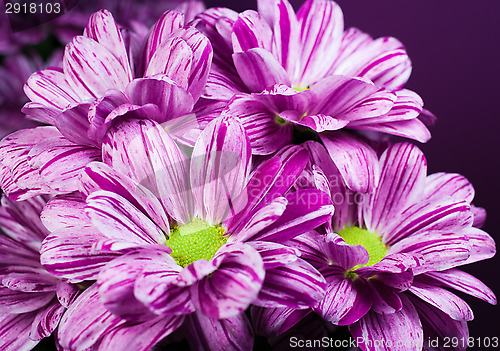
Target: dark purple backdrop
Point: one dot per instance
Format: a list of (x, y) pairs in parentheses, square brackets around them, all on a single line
[(455, 50)]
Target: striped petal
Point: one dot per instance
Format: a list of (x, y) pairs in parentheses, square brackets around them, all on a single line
[(356, 161), (482, 245), (73, 123), (46, 321), (12, 301), (233, 286), (78, 329), (50, 88), (444, 300), (439, 185), (321, 27), (286, 35), (250, 31), (14, 332), (220, 164), (438, 325), (345, 301), (145, 152), (276, 321), (117, 218), (103, 29), (305, 211), (412, 129), (59, 161), (99, 176), (427, 215), (462, 281), (70, 254), (294, 285), (383, 331), (91, 69), (228, 334), (259, 69), (116, 284), (402, 180)]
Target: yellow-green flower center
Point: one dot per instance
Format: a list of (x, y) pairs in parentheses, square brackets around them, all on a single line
[(371, 242), (299, 89), (195, 241)]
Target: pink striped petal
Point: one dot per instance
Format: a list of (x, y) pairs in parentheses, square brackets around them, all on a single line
[(104, 30), (156, 288), (73, 123), (46, 321), (479, 215), (321, 27), (250, 31), (276, 321), (70, 254), (412, 129), (78, 329), (275, 255), (172, 100), (439, 249), (13, 301), (173, 58), (66, 211), (482, 245), (14, 332), (438, 325), (99, 176), (356, 161), (233, 286), (439, 185), (383, 331), (228, 334), (306, 210), (424, 216), (116, 284), (145, 152), (142, 336), (91, 69), (350, 98), (464, 282), (169, 22), (295, 285), (345, 301), (286, 36), (50, 88), (444, 300), (259, 69), (220, 164), (117, 218), (402, 180)]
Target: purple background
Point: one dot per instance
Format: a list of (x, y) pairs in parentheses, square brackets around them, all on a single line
[(455, 50)]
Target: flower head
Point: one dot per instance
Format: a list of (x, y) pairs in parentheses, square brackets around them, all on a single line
[(302, 69), (174, 235)]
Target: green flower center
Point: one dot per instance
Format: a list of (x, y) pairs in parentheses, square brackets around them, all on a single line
[(195, 241), (371, 242), (299, 89)]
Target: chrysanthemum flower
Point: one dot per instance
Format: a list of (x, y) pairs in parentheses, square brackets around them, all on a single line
[(32, 301), (393, 253), (178, 238), (97, 86), (303, 69)]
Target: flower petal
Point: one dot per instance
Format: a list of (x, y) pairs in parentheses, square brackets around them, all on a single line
[(402, 180), (14, 332), (91, 69), (356, 161), (444, 300), (383, 331), (46, 321), (220, 164), (276, 321), (116, 218), (250, 31), (235, 284), (228, 334), (259, 69)]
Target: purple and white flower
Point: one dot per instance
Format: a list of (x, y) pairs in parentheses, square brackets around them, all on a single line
[(172, 237), (390, 256), (303, 69), (99, 84), (32, 301)]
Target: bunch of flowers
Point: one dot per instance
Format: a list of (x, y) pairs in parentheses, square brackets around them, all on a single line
[(223, 176)]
